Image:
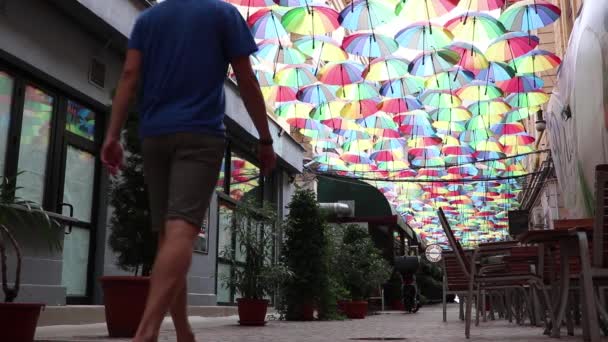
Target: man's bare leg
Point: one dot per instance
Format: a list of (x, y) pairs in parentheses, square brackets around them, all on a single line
[(179, 308), (170, 268)]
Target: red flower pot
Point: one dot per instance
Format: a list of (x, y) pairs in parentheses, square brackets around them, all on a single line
[(125, 300), (252, 311), (397, 304), (18, 321), (356, 309)]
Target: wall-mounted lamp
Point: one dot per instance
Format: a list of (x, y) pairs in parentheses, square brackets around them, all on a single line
[(541, 124)]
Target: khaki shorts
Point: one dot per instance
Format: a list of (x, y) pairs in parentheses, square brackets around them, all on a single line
[(181, 171)]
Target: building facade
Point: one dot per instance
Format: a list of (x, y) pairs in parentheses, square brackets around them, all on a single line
[(60, 61)]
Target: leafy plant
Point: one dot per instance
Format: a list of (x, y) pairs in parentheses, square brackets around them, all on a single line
[(131, 237), (21, 219), (258, 276), (362, 266), (305, 254)]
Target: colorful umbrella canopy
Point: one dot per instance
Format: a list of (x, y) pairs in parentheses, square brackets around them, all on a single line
[(535, 61), (265, 78), (298, 75), (408, 85), (449, 80), (399, 105), (310, 20), (529, 15), (480, 5), (496, 72), (358, 91), (494, 107), (479, 91), (294, 110), (412, 10), (440, 99), (511, 45), (385, 69), (528, 99), (517, 139), (316, 94), (321, 47), (342, 73), (470, 57), (519, 114), (274, 94), (521, 84), (475, 27), (424, 36), (366, 15), (452, 114), (266, 24), (369, 45), (277, 53), (433, 62), (359, 109), (326, 111)]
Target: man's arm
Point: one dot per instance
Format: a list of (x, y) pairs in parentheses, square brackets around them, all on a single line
[(256, 107), (112, 154)]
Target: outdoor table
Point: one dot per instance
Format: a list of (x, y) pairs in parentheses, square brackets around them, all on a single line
[(567, 235)]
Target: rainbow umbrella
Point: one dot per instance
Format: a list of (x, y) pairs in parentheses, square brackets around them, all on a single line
[(527, 99), (328, 158), (385, 69), (424, 141), (508, 128), (451, 114), (358, 91), (440, 99), (393, 166), (521, 84), (378, 121), (326, 111), (341, 73), (448, 80), (529, 15), (340, 124), (390, 144), (276, 94), (511, 45), (480, 5), (475, 27), (265, 79), (386, 156), (277, 53), (366, 15), (489, 145), (354, 134), (423, 36), (316, 94), (415, 117), (417, 131), (463, 170), (517, 139), (514, 150), (535, 61), (399, 105), (412, 9), (433, 62), (408, 85), (496, 72), (459, 159), (310, 20), (493, 107), (322, 47), (294, 109), (356, 158), (474, 136), (357, 145), (293, 3), (324, 143), (305, 123), (359, 109), (428, 162), (519, 114), (295, 76), (266, 24), (369, 45), (449, 127), (470, 57), (479, 91)]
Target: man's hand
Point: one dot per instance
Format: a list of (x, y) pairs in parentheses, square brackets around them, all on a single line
[(267, 158), (112, 155)]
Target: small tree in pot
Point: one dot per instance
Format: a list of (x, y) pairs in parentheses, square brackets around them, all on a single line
[(21, 220), (131, 239), (363, 269), (257, 278)]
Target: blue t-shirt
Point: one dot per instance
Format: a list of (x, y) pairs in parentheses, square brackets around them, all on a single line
[(186, 47)]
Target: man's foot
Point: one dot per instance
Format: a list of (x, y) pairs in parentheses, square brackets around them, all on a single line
[(146, 338), (187, 336)]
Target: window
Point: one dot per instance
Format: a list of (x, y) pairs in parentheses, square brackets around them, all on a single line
[(80, 120), (202, 243), (244, 179), (6, 96), (34, 144), (79, 183)]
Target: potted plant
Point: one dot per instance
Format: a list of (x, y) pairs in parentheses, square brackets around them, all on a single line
[(132, 240), (20, 220), (257, 277), (305, 253), (363, 269)]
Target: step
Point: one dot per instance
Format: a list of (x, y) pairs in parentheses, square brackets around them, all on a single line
[(91, 314)]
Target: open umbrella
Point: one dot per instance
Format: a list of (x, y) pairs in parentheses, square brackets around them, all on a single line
[(493, 107), (519, 114), (252, 4), (454, 114), (310, 20), (527, 99), (449, 80), (475, 27), (265, 78), (294, 109), (528, 15), (359, 109), (408, 85), (517, 139), (341, 73), (440, 99), (366, 15), (433, 62), (385, 69), (480, 5), (274, 94), (399, 105), (369, 45), (496, 72), (521, 84), (535, 61), (470, 57), (266, 24), (423, 37), (274, 52), (511, 45), (358, 91), (316, 94), (298, 75), (479, 91), (322, 47), (326, 111), (413, 10)]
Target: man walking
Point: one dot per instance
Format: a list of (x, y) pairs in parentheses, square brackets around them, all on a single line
[(178, 54)]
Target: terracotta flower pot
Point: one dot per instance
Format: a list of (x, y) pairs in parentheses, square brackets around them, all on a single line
[(125, 300), (252, 311), (18, 321), (356, 309)]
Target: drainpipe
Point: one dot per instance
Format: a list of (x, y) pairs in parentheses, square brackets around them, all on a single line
[(339, 209)]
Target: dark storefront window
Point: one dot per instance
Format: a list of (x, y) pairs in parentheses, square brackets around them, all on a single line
[(80, 120), (244, 179), (7, 84)]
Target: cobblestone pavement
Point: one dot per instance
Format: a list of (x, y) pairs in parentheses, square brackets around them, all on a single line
[(424, 326)]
